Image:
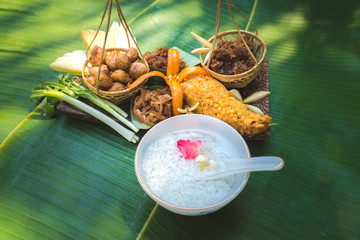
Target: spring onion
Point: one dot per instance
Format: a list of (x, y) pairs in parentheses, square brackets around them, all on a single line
[(69, 91)]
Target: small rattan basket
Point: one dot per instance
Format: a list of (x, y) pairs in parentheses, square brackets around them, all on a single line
[(121, 96), (117, 97), (243, 79)]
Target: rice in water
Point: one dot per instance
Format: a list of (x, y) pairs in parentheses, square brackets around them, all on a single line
[(173, 179)]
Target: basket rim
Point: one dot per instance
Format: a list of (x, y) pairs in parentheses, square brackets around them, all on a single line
[(108, 93), (116, 49), (224, 77)]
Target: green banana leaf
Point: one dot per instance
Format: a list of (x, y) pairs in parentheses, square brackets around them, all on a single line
[(62, 178)]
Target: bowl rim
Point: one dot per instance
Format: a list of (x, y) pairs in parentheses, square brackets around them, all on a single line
[(164, 203)]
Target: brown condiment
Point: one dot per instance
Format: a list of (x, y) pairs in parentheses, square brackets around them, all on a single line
[(159, 59), (232, 57)]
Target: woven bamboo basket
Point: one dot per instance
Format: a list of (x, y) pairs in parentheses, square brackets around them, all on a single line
[(243, 79), (117, 97)]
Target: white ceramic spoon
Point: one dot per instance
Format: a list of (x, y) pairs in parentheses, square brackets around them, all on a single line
[(235, 166)]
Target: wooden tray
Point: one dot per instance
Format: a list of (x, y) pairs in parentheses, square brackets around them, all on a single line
[(260, 83)]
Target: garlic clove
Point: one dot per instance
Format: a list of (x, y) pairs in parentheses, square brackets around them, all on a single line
[(256, 96), (254, 109), (236, 94)]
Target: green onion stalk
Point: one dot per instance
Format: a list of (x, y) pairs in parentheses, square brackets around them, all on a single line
[(69, 91)]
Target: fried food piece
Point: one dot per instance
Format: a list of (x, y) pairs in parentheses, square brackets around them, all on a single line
[(110, 61), (122, 61), (118, 61), (91, 80), (116, 87), (121, 76), (137, 69), (104, 81), (215, 100), (95, 70), (133, 54), (96, 56)]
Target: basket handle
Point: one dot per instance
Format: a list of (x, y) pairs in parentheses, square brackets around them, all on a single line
[(218, 17), (247, 19), (240, 35), (127, 30), (124, 24)]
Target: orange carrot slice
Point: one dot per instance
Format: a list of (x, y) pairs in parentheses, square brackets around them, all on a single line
[(173, 62), (145, 76), (177, 96), (191, 71)]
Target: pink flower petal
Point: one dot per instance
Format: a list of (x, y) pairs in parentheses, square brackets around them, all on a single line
[(189, 149)]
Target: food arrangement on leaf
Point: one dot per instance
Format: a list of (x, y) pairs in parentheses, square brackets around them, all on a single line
[(114, 69), (112, 75), (209, 96)]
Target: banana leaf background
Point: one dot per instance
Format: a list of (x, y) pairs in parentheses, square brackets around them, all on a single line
[(61, 178)]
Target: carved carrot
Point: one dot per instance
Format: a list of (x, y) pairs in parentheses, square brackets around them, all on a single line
[(173, 78)]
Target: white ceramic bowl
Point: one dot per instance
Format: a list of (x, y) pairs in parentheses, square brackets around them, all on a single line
[(231, 139)]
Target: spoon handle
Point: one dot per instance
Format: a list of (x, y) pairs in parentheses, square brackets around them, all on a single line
[(235, 166)]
